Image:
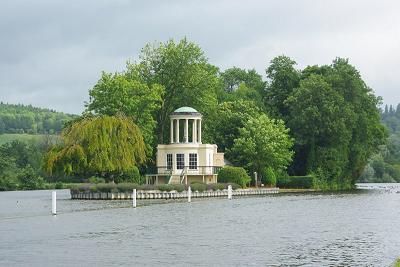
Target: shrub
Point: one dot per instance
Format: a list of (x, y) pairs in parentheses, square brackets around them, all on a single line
[(80, 188), (59, 185), (179, 187), (215, 187), (127, 187), (130, 176), (165, 187), (105, 188), (236, 175), (297, 182), (198, 187), (96, 180), (268, 177), (29, 179), (147, 187)]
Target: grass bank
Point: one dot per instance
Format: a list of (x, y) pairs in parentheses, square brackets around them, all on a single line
[(5, 138)]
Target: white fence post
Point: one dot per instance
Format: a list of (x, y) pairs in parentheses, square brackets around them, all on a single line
[(54, 202), (229, 192), (134, 198), (189, 194)]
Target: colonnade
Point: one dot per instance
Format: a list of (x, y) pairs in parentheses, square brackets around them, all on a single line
[(196, 130)]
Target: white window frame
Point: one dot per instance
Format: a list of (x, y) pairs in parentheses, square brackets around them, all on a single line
[(170, 156), (191, 166), (177, 161)]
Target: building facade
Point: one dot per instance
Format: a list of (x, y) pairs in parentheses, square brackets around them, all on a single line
[(186, 159)]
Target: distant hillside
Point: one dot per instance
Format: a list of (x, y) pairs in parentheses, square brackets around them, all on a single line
[(23, 119)]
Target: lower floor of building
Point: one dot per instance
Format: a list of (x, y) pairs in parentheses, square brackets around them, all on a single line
[(179, 179)]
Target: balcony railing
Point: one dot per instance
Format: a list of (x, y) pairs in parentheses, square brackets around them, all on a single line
[(200, 170)]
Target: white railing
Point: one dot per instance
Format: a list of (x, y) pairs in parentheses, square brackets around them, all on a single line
[(183, 174)]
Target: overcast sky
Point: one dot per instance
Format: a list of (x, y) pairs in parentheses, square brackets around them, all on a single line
[(52, 52)]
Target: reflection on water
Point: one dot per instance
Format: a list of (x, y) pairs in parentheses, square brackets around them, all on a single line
[(348, 229)]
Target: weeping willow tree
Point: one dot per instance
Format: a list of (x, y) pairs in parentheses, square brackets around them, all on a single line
[(106, 145)]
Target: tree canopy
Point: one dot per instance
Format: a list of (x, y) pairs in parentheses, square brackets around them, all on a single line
[(27, 119), (263, 143), (187, 77), (333, 117), (106, 145), (126, 93)]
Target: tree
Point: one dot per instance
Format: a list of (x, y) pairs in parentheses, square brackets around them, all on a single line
[(283, 79), (334, 119), (367, 132), (125, 93), (263, 143), (234, 77), (318, 120), (108, 145), (226, 121), (187, 77), (268, 177), (237, 175)]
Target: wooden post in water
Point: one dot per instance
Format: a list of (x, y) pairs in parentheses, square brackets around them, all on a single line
[(189, 194), (54, 203), (134, 198), (229, 192)]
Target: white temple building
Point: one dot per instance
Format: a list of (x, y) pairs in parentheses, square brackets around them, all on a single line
[(186, 158)]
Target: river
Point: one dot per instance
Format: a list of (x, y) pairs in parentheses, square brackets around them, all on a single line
[(342, 229)]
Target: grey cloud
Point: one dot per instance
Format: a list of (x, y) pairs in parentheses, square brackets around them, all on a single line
[(52, 52)]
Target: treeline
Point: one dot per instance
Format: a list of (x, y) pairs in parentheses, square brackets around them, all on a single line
[(321, 121), (21, 165), (31, 120), (384, 166)]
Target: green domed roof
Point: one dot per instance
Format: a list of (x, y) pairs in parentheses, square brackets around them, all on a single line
[(185, 110)]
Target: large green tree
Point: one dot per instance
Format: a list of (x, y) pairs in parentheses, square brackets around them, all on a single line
[(187, 77), (283, 79), (321, 125), (333, 117), (106, 145), (228, 118), (263, 143), (126, 93)]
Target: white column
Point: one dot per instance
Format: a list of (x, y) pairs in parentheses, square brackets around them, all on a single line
[(200, 131), (186, 131), (172, 131), (195, 131), (177, 131)]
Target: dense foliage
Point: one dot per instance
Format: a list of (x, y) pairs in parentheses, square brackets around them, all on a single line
[(32, 120), (384, 166), (306, 182), (332, 115), (20, 165), (107, 145), (321, 121), (235, 175), (262, 143)]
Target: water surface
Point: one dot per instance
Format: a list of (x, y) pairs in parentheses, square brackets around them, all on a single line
[(344, 229)]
